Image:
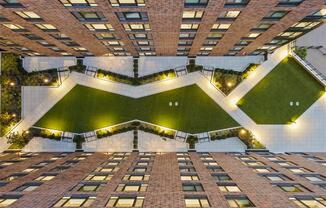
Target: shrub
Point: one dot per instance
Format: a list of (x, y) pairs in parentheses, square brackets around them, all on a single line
[(18, 140), (79, 139), (192, 140), (44, 133), (301, 52), (136, 68), (135, 141)]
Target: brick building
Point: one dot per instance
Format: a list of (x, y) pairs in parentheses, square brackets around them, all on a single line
[(154, 27), (259, 179)]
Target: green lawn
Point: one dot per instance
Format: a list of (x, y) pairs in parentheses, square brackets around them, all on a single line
[(269, 101), (84, 109)]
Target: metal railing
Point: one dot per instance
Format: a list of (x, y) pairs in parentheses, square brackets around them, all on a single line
[(311, 69)]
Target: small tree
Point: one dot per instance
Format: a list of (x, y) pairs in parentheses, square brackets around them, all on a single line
[(19, 140), (301, 52)]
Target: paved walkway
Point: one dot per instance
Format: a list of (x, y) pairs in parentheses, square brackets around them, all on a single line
[(39, 144), (34, 63), (225, 145), (150, 65), (313, 38), (238, 63), (121, 65), (308, 136), (53, 97), (317, 59), (117, 143), (152, 143), (32, 96)]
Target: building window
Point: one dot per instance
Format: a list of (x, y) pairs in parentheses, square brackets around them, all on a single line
[(221, 27), (318, 15), (187, 169), (45, 177), (11, 3), (89, 16), (8, 200), (291, 187), (305, 25), (214, 168), (187, 35), (275, 15), (290, 34), (193, 201), (278, 42), (28, 15), (314, 177), (285, 163), (88, 187), (289, 2), (139, 169), (44, 43), (298, 170), (192, 15), (60, 36), (136, 177), (276, 177), (70, 43), (239, 201), (104, 36), (215, 36), (78, 3), (14, 27), (132, 187), (132, 16), (253, 36), (116, 201), (79, 49), (263, 26), (75, 201), (189, 26), (99, 27), (46, 27), (192, 187), (107, 169), (136, 27), (236, 3), (196, 3), (28, 187), (139, 36), (185, 43), (222, 177), (309, 202), (207, 49), (192, 177), (263, 169), (98, 177), (127, 3), (229, 15), (228, 187)]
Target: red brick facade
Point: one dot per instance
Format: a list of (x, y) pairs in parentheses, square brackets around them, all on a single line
[(164, 185), (164, 18)]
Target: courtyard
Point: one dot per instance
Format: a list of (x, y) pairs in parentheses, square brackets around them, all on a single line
[(283, 95), (186, 109)]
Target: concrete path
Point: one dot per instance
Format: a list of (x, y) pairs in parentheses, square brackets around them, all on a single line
[(233, 144), (120, 65), (39, 144), (117, 143), (53, 97), (153, 143), (150, 65), (34, 63), (238, 63)]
